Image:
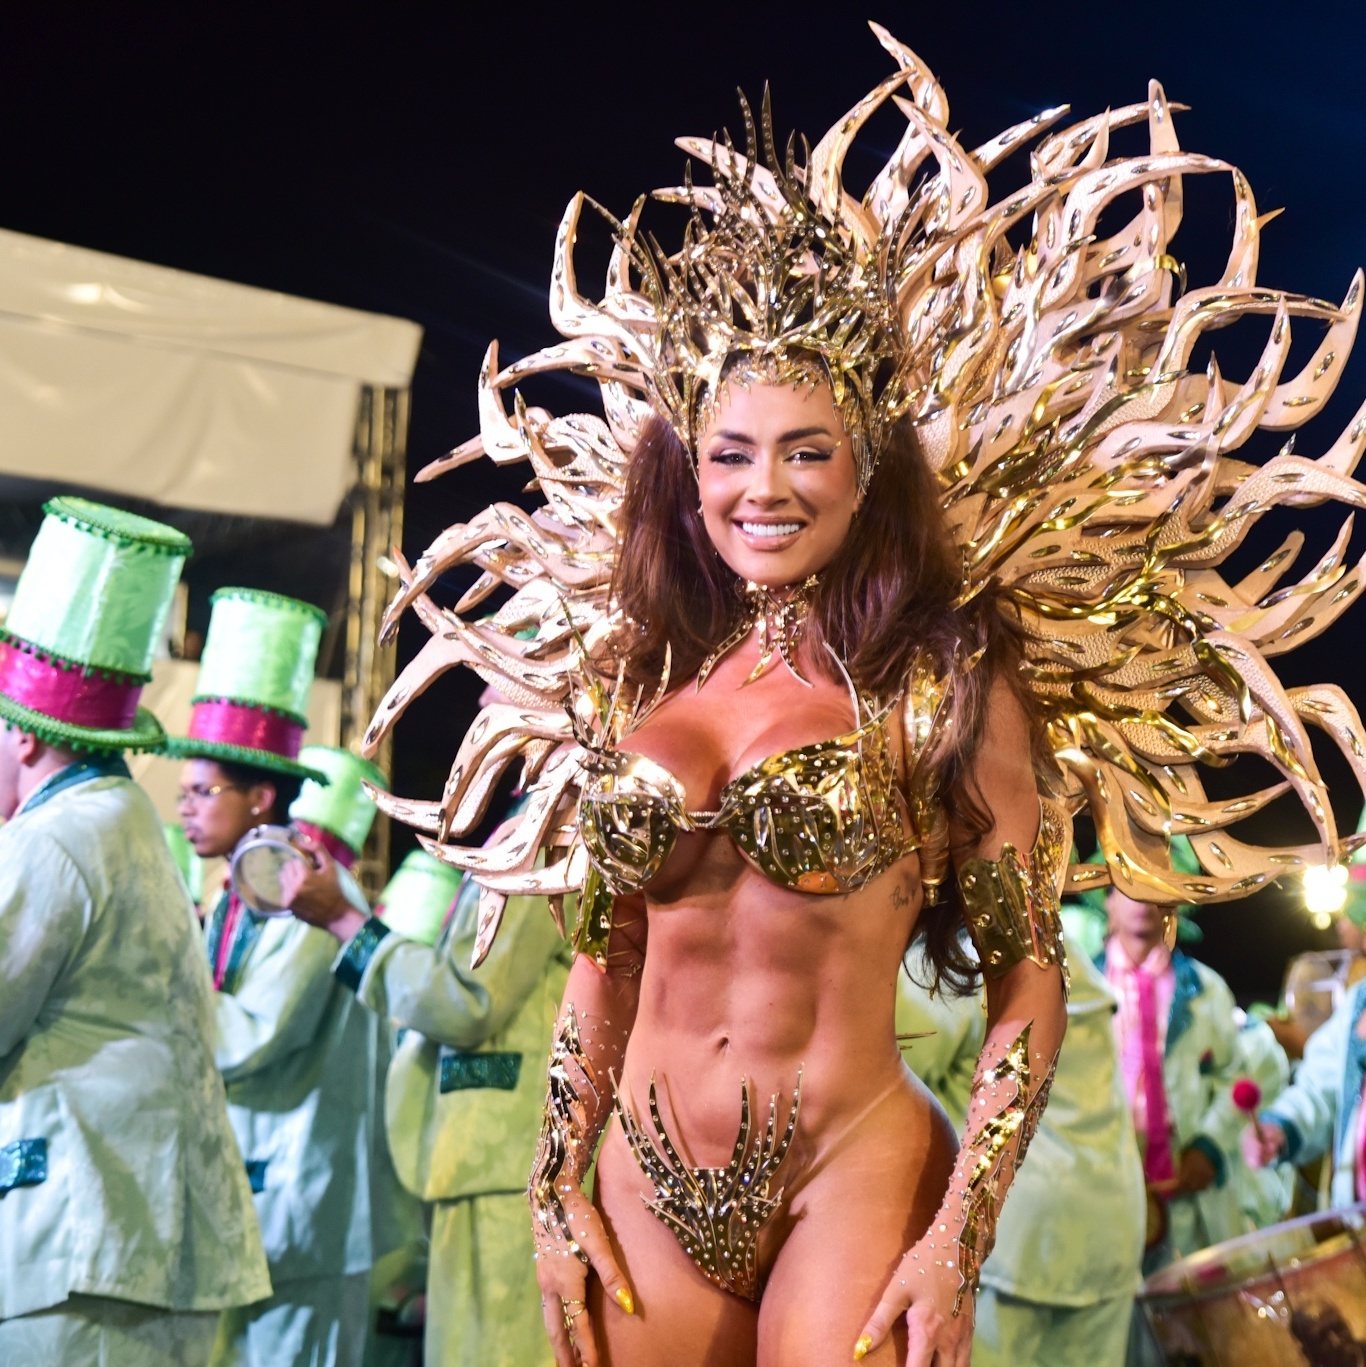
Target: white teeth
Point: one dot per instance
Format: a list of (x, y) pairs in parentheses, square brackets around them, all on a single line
[(770, 528)]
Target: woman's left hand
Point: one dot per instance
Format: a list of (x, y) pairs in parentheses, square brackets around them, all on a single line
[(923, 1289)]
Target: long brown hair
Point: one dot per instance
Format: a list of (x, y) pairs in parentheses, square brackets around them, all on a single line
[(887, 597)]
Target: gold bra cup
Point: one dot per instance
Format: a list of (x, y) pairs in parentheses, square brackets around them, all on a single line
[(630, 812), (825, 818)]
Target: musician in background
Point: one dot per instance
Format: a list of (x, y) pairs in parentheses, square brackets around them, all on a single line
[(297, 1054), (464, 1099), (126, 1222), (1177, 1036), (1059, 1287), (1320, 1112)]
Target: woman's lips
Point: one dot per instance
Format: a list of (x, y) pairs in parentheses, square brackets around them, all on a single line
[(767, 536)]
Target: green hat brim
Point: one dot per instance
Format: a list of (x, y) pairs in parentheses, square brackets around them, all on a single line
[(183, 747), (146, 733)]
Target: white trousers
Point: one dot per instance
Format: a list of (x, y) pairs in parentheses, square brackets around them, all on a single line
[(308, 1322)]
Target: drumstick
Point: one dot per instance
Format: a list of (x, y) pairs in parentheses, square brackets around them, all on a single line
[(1247, 1096)]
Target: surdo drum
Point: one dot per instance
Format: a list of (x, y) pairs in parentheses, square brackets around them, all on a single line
[(1293, 1295)]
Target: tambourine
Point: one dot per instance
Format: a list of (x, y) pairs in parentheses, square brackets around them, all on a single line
[(260, 859), (1155, 1221), (1158, 1194)]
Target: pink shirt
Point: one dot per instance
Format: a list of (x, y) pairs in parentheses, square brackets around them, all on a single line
[(1122, 975)]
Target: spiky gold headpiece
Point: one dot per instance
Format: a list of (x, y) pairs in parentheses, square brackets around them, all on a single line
[(772, 286)]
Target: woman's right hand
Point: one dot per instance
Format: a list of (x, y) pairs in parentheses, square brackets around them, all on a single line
[(563, 1279)]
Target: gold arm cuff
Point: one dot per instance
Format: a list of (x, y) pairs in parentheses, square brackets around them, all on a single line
[(1012, 902), (1003, 1139), (566, 1140)]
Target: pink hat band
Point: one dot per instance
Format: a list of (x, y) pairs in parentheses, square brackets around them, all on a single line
[(69, 694), (223, 722), (333, 844)]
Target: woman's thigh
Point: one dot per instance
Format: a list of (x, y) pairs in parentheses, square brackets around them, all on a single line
[(848, 1226), (681, 1318)]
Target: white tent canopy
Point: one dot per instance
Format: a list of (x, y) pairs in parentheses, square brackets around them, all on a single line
[(182, 389)]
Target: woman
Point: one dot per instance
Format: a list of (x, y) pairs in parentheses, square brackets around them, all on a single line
[(750, 981), (893, 532)]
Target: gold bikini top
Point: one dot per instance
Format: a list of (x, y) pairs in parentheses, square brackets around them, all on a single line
[(823, 818)]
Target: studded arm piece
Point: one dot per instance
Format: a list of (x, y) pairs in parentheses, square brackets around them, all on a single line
[(1012, 902), (576, 1108)]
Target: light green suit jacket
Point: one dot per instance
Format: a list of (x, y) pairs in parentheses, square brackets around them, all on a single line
[(119, 1176), (1071, 1229), (467, 1085), (300, 1059), (1320, 1111), (1199, 1067)]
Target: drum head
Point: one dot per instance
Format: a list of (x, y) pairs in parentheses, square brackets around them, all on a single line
[(1286, 1296), (257, 864)]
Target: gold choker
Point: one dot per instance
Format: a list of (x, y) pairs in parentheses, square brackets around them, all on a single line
[(780, 623)]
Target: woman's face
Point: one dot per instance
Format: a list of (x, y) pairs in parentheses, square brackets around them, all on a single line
[(775, 468), (216, 813)]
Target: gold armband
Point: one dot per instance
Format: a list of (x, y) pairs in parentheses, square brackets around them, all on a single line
[(566, 1143), (1012, 902), (1001, 1137), (594, 928)]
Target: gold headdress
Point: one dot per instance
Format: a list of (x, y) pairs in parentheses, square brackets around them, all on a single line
[(1085, 470), (768, 285)]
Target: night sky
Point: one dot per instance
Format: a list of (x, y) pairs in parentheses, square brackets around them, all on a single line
[(414, 163)]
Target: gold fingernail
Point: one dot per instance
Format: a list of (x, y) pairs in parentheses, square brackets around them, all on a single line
[(862, 1346), (624, 1299)]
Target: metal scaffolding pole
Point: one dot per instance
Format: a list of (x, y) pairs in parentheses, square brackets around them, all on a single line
[(376, 526)]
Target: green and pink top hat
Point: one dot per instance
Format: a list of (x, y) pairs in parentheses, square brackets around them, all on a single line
[(418, 897), (339, 815), (251, 702), (88, 613)]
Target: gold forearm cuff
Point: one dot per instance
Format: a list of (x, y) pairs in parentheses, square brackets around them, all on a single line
[(1012, 902), (565, 1146), (1000, 1142)]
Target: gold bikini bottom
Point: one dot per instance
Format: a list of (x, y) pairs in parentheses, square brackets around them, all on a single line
[(716, 1213)]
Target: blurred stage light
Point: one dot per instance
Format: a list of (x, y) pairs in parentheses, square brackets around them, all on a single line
[(1325, 892)]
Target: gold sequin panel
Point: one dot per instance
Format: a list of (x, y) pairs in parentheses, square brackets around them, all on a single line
[(716, 1213)]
